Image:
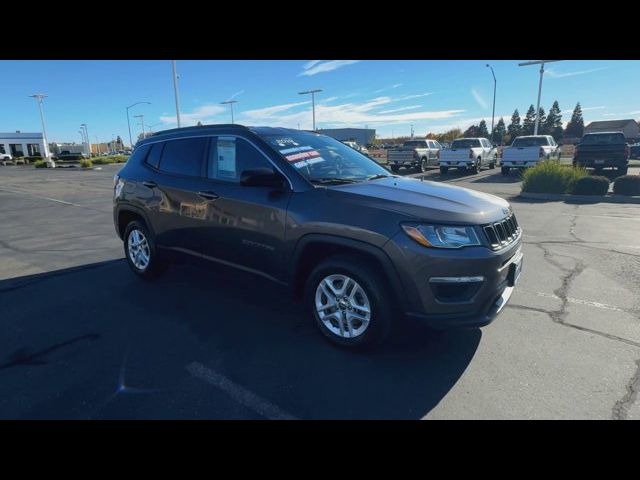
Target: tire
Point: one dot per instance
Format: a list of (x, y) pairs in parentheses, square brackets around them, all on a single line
[(505, 170), (623, 170), (395, 168), (476, 166), (422, 164), (155, 264), (492, 165), (444, 170), (367, 287)]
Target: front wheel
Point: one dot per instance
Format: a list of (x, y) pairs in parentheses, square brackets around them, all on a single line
[(349, 302), (505, 170), (140, 251), (444, 170)]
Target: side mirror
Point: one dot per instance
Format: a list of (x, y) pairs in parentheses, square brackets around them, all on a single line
[(262, 177)]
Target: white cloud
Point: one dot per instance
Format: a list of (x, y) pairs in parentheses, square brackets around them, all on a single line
[(552, 73), (270, 111), (204, 114), (318, 66), (239, 92), (392, 87), (419, 95), (411, 107), (481, 101), (584, 109)]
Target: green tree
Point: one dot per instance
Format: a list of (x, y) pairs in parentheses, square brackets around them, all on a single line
[(515, 127), (575, 127), (553, 123), (472, 131), (482, 130), (499, 132), (542, 118), (529, 121), (119, 142)]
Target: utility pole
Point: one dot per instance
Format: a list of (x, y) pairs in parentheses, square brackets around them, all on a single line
[(175, 91), (141, 117), (230, 103), (129, 122), (313, 103), (541, 63), (40, 97), (493, 113)]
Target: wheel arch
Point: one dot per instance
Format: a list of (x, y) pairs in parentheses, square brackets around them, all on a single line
[(125, 214)]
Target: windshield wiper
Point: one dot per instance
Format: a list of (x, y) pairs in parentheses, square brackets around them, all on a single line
[(379, 175), (332, 180)]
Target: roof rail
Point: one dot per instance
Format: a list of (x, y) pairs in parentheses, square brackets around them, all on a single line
[(198, 127)]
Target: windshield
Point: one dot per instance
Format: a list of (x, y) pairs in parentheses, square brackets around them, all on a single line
[(604, 139), (322, 159), (530, 142), (415, 144), (466, 143)]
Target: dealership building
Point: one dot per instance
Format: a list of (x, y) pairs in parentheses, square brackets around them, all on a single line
[(362, 136), (18, 144)]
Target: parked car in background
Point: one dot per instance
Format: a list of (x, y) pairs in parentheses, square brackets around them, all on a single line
[(526, 151), (603, 150), (418, 153), (634, 150), (6, 158), (359, 148), (468, 154), (365, 246)]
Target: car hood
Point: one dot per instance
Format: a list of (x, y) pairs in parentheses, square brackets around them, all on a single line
[(428, 201)]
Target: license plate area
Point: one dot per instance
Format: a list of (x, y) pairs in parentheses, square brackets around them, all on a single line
[(598, 162), (515, 269)]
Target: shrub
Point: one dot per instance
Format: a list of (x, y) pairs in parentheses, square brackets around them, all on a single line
[(103, 160), (40, 164), (550, 176), (86, 163), (627, 185), (593, 185), (120, 158)]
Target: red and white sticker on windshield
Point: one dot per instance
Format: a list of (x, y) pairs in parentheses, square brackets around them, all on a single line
[(302, 156)]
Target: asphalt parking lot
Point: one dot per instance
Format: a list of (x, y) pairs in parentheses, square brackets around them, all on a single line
[(83, 338)]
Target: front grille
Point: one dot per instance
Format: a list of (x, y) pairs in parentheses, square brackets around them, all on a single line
[(502, 233)]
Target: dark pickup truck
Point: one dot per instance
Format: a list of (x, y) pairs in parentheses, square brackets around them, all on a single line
[(603, 150)]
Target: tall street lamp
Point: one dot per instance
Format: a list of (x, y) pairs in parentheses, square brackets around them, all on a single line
[(86, 134), (541, 63), (230, 103), (39, 98), (493, 113), (175, 91), (129, 122), (313, 103)]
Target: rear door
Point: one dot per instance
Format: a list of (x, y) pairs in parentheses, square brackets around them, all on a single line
[(245, 226)]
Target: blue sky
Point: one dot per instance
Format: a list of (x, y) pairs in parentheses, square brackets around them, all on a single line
[(386, 95)]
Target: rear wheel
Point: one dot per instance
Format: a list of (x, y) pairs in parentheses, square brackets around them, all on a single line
[(476, 166), (505, 170), (493, 163), (140, 251), (444, 170), (422, 164), (349, 302)]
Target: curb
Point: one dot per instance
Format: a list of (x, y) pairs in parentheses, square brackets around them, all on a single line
[(562, 197)]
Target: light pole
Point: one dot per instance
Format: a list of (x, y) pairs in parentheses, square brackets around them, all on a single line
[(493, 113), (129, 122), (40, 97), (313, 103), (541, 63), (175, 91), (230, 103), (141, 117)]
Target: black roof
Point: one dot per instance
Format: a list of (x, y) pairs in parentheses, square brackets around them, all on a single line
[(227, 127), (610, 123)]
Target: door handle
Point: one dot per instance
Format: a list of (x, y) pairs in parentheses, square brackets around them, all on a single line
[(149, 184), (208, 195)]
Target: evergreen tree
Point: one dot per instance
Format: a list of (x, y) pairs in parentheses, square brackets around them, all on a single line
[(542, 118), (553, 124), (529, 121), (575, 127), (482, 130), (515, 128), (472, 131), (499, 132), (119, 141)]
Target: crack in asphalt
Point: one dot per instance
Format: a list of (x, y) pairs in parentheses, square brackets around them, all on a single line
[(621, 408)]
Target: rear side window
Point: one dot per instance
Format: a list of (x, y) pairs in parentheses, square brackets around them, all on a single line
[(153, 158), (230, 156), (183, 157), (139, 153)]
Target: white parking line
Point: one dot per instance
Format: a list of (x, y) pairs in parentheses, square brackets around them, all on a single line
[(238, 393), (576, 301), (29, 194)]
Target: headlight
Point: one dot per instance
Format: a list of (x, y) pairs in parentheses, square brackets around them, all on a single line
[(442, 236)]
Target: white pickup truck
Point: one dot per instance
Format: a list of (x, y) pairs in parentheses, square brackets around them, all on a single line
[(527, 151), (418, 152), (469, 154)]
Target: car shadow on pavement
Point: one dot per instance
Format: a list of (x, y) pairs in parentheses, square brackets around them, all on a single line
[(242, 327), (497, 177)]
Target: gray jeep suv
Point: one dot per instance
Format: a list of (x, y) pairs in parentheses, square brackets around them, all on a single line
[(360, 245)]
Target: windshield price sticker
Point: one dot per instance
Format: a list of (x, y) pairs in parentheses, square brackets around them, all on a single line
[(295, 149), (302, 155), (285, 142), (309, 162)]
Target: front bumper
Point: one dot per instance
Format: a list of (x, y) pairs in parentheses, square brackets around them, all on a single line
[(466, 307)]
